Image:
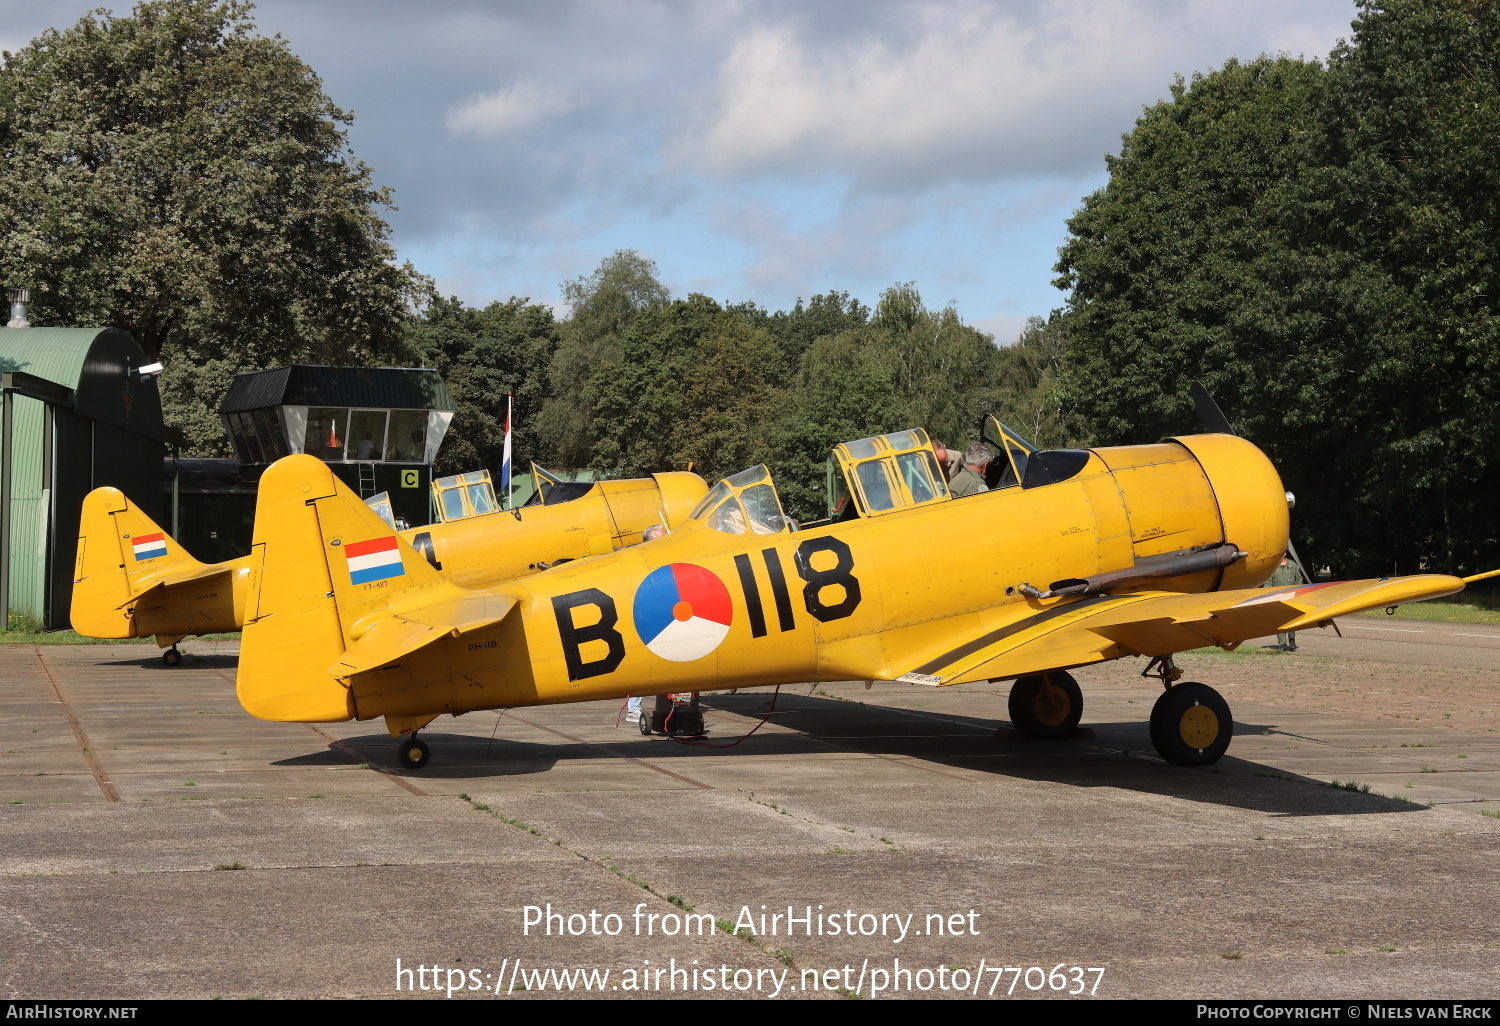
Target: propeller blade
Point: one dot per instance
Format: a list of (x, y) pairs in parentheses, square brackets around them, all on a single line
[(1208, 411)]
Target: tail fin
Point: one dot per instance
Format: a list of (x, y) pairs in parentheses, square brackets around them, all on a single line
[(330, 569), (122, 554)]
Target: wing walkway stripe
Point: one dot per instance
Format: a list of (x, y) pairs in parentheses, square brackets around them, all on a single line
[(985, 640)]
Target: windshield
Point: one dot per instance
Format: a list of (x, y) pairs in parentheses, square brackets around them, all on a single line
[(713, 498), (743, 503)]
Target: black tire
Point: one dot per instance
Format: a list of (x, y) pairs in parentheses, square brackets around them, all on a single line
[(1191, 725), (644, 722), (1046, 707), (171, 657), (413, 753)]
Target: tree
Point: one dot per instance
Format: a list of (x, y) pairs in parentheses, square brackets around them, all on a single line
[(909, 366), (1027, 395), (483, 355), (696, 383), (177, 175), (1318, 245), (603, 306)]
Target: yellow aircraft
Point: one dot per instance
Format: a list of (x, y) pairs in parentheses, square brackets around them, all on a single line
[(133, 580), (1073, 557)]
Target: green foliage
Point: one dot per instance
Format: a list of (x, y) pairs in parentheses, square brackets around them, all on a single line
[(1315, 244), (484, 354), (24, 623), (694, 383), (177, 175), (603, 307), (1027, 396)]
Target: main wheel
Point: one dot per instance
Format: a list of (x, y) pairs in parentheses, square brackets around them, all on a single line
[(1191, 725), (1046, 707), (171, 657), (412, 752)]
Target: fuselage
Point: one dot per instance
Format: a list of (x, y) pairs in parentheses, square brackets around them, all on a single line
[(474, 552), (864, 598)]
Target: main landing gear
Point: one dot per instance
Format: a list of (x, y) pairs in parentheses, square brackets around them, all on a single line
[(412, 752), (1047, 707), (1190, 723), (171, 657)]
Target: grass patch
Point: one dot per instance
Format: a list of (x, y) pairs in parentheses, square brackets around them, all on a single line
[(14, 637), (1351, 785), (1242, 652), (45, 637), (1490, 813), (1440, 612), (1232, 955), (229, 865), (1335, 951)]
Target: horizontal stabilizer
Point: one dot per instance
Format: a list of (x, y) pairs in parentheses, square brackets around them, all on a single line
[(395, 637), (170, 576)]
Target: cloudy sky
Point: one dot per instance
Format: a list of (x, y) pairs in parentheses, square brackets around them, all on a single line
[(756, 149)]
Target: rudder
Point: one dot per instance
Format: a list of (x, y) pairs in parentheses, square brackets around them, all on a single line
[(122, 554), (329, 566)]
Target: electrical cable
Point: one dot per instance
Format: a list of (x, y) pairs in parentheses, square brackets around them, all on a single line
[(706, 744)]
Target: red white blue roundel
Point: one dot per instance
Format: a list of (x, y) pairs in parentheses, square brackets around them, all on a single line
[(682, 612)]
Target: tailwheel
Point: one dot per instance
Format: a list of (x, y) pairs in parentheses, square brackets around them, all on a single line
[(1191, 725), (1046, 707), (171, 657), (413, 752)]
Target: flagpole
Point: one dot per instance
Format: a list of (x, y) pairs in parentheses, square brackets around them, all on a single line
[(510, 479)]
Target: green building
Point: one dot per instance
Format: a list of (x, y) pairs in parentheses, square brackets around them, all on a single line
[(80, 411)]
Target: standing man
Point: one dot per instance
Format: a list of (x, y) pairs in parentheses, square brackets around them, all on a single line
[(1286, 574), (951, 462), (970, 480)]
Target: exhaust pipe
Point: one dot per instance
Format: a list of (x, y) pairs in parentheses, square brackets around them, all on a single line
[(1151, 570)]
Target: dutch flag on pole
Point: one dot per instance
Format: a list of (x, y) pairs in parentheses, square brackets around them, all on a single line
[(505, 464), (149, 546), (373, 560)]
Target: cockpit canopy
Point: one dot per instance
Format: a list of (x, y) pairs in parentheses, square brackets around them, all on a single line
[(745, 503), (1012, 454), (884, 473)]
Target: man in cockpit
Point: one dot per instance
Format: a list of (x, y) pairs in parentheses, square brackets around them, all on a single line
[(970, 480)]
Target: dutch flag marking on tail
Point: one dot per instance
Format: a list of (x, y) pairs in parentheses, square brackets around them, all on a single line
[(373, 560), (149, 546)]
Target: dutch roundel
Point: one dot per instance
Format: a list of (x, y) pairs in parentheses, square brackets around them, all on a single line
[(682, 612)]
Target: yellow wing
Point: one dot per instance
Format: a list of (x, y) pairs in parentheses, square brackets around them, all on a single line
[(1104, 627)]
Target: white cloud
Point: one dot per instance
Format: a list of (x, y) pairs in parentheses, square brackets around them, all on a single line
[(1005, 327), (961, 91), (519, 105)]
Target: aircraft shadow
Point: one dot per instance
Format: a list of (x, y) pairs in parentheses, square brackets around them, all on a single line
[(189, 662), (1116, 755), (455, 756)]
